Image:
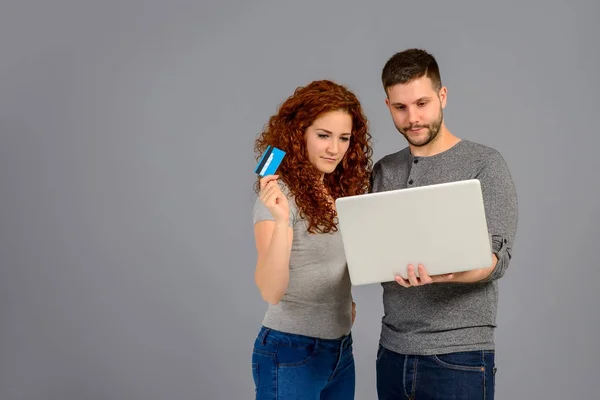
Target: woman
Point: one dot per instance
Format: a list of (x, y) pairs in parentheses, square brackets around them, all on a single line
[(304, 348)]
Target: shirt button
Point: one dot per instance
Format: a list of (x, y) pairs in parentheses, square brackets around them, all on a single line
[(410, 182), (416, 160)]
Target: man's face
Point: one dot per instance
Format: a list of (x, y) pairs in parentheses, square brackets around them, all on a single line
[(417, 110)]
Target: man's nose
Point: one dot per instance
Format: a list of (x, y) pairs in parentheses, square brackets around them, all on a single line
[(413, 118)]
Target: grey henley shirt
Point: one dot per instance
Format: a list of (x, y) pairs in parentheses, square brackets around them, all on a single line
[(449, 317)]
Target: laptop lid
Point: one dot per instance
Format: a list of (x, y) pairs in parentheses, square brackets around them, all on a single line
[(441, 226)]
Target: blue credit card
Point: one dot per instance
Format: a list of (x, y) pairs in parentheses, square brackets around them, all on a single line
[(269, 161)]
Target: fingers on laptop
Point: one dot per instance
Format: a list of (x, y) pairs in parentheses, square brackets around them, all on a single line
[(422, 279)]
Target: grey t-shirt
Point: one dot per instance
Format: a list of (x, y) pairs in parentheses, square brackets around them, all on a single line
[(449, 317), (318, 300)]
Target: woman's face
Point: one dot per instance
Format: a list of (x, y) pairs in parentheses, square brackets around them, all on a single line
[(328, 140)]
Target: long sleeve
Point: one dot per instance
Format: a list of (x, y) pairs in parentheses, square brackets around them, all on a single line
[(501, 208)]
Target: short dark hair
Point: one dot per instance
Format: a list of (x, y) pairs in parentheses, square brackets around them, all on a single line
[(409, 65)]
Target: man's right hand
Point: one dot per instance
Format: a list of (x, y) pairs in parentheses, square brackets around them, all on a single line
[(423, 278), (273, 198)]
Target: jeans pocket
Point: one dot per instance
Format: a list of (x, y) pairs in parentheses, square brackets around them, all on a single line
[(461, 361), (295, 356)]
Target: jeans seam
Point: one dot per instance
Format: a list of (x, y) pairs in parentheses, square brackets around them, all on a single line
[(263, 352), (255, 375), (404, 376), (414, 385), (288, 345), (484, 373), (337, 364), (276, 383)]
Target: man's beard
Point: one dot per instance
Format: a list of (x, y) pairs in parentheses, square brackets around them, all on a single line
[(433, 130)]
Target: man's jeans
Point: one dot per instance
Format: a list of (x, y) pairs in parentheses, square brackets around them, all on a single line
[(458, 376), (294, 367)]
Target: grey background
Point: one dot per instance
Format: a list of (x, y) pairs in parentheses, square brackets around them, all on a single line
[(126, 247)]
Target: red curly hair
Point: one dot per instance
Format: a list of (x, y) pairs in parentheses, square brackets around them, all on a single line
[(285, 130)]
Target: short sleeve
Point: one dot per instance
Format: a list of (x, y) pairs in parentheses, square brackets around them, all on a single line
[(262, 213)]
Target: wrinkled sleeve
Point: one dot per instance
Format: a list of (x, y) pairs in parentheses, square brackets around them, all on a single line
[(501, 209)]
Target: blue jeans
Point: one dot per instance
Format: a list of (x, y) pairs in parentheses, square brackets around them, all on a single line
[(458, 376), (293, 367)]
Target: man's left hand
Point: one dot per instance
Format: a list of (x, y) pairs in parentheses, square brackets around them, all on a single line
[(472, 276)]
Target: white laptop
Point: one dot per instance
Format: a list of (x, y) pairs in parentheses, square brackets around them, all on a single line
[(440, 226)]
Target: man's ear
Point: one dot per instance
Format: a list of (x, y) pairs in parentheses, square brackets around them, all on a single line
[(443, 95)]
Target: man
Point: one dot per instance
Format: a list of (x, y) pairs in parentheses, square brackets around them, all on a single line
[(437, 337)]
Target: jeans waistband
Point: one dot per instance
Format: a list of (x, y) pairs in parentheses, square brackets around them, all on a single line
[(293, 339)]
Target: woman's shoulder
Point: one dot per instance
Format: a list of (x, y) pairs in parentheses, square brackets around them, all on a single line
[(261, 211)]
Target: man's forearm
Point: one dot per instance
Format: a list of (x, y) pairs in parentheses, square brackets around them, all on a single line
[(476, 275)]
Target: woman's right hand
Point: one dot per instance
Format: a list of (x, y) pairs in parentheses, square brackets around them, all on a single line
[(273, 198)]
